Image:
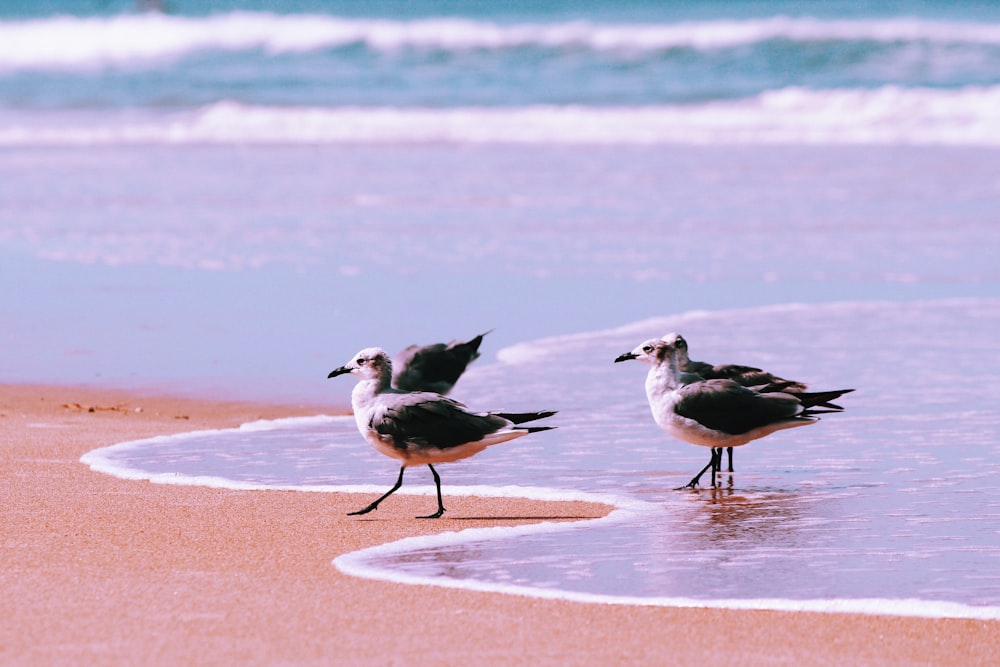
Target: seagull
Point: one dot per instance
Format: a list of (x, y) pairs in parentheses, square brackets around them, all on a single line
[(434, 367), (714, 413), (422, 427), (748, 376)]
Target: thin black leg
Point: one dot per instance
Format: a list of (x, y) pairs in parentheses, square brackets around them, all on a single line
[(716, 464), (374, 505), (694, 481), (437, 482), (713, 463), (729, 451)]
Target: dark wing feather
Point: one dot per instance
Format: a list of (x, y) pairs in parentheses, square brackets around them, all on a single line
[(434, 422), (748, 376), (809, 399), (435, 367), (411, 367), (724, 371), (724, 405), (698, 368), (753, 378)]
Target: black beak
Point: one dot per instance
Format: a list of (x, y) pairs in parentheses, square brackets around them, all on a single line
[(338, 371), (626, 356)]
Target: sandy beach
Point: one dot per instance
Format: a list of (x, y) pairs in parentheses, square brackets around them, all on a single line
[(102, 571)]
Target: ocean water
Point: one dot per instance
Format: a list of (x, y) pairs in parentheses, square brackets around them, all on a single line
[(229, 199)]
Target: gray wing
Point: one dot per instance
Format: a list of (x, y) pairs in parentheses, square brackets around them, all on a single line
[(426, 419), (724, 405), (756, 378), (435, 367), (748, 376)]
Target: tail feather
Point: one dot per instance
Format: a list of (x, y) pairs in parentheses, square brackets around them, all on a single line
[(536, 429), (809, 399), (522, 417), (821, 398), (812, 412)]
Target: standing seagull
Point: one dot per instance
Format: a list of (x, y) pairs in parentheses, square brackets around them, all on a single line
[(422, 427), (712, 413), (434, 367), (748, 376)]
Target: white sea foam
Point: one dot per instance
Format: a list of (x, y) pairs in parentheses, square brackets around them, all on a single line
[(533, 352), (360, 564), (883, 116), (107, 460), (286, 422), (69, 42)]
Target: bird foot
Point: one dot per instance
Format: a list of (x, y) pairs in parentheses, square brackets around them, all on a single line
[(364, 511), (436, 515)]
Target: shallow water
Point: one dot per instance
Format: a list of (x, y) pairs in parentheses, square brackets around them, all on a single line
[(898, 497)]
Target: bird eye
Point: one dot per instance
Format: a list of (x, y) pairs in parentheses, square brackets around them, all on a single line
[(647, 348), (361, 362)]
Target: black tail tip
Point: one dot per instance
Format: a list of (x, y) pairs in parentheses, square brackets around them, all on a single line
[(522, 417)]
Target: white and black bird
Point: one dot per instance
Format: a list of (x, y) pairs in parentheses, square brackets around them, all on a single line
[(716, 413), (749, 376), (434, 367), (422, 427)]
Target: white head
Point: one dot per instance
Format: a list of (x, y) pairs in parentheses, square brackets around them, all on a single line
[(370, 363), (655, 352)]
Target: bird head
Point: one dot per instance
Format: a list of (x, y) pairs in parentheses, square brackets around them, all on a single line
[(368, 364), (654, 352)]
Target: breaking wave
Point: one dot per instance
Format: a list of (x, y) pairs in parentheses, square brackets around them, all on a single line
[(886, 115), (73, 42)]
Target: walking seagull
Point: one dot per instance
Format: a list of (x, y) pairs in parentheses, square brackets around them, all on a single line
[(716, 413), (434, 367), (748, 376), (422, 427)]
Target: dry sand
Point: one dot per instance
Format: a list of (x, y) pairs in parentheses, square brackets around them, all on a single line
[(100, 571)]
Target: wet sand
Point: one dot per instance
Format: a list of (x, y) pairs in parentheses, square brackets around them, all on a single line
[(101, 571)]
